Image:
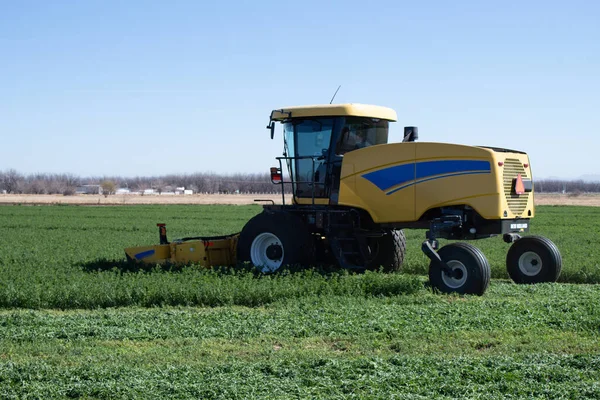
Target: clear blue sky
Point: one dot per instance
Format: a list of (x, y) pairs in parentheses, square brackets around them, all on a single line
[(155, 87)]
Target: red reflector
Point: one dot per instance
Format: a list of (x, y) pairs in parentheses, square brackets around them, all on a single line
[(526, 165), (500, 163), (519, 187), (275, 175)]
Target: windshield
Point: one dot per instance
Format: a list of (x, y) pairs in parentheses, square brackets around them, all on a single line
[(359, 132)]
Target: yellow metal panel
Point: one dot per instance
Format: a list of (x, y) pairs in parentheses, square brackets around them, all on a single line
[(221, 252), (456, 175), (399, 182), (157, 254), (207, 252), (188, 252), (379, 197), (339, 110), (203, 252)]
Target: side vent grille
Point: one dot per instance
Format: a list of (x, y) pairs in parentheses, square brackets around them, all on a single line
[(516, 203)]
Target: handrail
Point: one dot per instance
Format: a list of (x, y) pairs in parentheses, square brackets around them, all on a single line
[(292, 181)]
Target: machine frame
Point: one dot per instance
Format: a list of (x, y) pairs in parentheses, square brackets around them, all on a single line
[(352, 208)]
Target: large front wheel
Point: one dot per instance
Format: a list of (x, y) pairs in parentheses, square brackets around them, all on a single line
[(387, 251), (469, 270), (272, 240)]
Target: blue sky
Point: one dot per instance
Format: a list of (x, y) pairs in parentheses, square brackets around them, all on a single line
[(149, 88)]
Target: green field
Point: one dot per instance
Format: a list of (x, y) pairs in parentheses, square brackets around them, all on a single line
[(76, 321)]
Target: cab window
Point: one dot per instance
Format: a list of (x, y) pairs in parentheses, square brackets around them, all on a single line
[(360, 132)]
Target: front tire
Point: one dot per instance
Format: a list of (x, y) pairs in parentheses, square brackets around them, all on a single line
[(470, 270), (271, 240), (533, 259)]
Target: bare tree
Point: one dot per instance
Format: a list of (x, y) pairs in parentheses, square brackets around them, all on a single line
[(159, 185), (9, 180)]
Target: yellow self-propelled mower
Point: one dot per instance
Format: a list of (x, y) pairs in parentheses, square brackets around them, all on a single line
[(354, 193)]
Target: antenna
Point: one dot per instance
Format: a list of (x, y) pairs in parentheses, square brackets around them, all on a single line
[(335, 94)]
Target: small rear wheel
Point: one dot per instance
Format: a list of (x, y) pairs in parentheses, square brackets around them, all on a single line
[(533, 259), (469, 270)]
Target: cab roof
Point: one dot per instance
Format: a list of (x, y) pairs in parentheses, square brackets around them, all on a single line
[(334, 110)]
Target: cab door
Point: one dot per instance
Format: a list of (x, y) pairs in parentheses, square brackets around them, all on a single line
[(308, 141)]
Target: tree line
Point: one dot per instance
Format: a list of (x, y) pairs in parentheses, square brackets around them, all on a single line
[(566, 186), (11, 181)]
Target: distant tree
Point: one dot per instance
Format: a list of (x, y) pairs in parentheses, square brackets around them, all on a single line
[(55, 187), (108, 187), (71, 180), (71, 183), (10, 181), (159, 186), (35, 184)]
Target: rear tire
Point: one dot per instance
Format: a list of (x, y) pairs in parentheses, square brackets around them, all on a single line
[(533, 259), (388, 251), (470, 270), (271, 240)]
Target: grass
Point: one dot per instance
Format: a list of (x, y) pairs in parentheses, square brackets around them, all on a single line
[(75, 322), (191, 287), (495, 346), (72, 257), (284, 377)]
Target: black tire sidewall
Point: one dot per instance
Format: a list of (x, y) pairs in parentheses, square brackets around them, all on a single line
[(289, 229), (550, 267), (476, 282)]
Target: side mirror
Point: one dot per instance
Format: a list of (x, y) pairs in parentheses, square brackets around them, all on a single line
[(411, 133), (271, 127)]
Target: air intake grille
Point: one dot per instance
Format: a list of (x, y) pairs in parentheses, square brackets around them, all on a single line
[(516, 203)]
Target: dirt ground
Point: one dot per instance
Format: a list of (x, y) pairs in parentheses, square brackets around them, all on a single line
[(546, 199), (540, 199)]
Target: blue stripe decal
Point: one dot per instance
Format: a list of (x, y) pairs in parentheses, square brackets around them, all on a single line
[(434, 178), (431, 168), (144, 254), (402, 176), (393, 176)]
